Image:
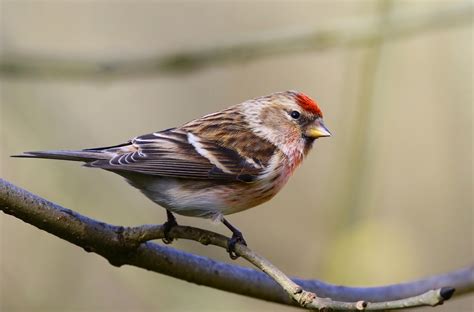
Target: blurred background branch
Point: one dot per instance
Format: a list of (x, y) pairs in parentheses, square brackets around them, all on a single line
[(121, 245), (345, 35)]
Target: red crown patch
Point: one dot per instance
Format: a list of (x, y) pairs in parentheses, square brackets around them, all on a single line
[(308, 104)]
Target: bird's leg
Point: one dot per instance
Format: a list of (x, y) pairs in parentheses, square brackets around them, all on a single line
[(237, 237), (168, 225)]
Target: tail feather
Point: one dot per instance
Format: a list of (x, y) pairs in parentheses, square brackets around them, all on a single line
[(84, 155)]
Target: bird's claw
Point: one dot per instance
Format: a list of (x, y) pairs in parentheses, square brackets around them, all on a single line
[(236, 238), (167, 226)]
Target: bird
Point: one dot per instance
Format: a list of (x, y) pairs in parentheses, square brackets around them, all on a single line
[(222, 163)]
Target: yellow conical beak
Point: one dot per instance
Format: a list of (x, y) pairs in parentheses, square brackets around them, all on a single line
[(317, 130)]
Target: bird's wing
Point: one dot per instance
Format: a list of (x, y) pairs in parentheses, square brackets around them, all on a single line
[(180, 154)]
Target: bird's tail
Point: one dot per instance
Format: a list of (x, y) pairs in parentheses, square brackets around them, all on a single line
[(80, 155)]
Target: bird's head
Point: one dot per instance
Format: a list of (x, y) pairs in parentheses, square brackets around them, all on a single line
[(290, 120)]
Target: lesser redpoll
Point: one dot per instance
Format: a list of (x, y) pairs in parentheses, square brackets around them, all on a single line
[(216, 165)]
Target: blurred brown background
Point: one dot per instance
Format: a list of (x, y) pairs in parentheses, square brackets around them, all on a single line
[(387, 199)]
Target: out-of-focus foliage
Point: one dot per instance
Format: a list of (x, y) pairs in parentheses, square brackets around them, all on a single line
[(388, 198)]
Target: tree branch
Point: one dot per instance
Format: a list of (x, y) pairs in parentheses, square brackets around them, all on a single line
[(130, 245), (358, 33)]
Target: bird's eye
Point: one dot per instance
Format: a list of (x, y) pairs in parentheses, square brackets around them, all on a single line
[(295, 114)]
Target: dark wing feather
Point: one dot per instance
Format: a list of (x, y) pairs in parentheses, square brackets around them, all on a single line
[(170, 154)]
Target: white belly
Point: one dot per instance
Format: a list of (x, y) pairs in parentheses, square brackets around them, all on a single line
[(181, 198)]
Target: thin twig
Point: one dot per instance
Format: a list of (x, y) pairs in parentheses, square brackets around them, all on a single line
[(360, 32), (303, 297), (121, 245)]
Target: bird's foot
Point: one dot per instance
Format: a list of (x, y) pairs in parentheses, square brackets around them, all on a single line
[(167, 226), (237, 237)]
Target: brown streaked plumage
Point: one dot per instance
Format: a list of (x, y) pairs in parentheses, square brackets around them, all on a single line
[(219, 164)]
